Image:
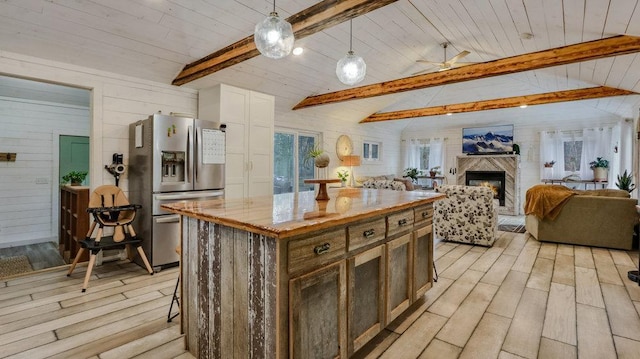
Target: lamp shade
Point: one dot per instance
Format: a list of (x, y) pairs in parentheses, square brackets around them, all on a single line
[(351, 160), (351, 69), (274, 37)]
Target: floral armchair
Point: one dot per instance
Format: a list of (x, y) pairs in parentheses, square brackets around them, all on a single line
[(467, 215)]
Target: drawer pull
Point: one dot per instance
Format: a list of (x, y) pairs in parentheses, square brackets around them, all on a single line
[(369, 233), (425, 214), (402, 222), (323, 248)]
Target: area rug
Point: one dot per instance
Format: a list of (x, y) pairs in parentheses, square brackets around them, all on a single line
[(14, 265), (516, 228)]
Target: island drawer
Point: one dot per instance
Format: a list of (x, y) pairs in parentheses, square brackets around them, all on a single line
[(423, 214), (399, 222), (312, 252), (366, 233)]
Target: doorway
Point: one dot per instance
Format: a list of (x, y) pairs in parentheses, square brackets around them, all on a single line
[(36, 114)]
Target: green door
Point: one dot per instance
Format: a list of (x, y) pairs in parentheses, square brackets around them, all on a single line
[(74, 155)]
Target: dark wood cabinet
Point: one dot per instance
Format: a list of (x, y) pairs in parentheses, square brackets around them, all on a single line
[(74, 221)]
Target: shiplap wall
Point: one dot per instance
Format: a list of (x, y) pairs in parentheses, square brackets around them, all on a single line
[(116, 101), (31, 129)]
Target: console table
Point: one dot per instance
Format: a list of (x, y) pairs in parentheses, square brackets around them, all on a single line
[(595, 183)]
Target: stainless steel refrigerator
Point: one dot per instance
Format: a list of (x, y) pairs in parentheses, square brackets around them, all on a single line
[(172, 159)]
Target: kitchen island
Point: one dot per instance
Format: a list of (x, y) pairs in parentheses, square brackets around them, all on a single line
[(288, 276)]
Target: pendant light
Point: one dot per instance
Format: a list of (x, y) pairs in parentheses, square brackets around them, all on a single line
[(351, 69), (273, 36)]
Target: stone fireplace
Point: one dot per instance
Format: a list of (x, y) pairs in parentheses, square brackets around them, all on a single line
[(499, 171)]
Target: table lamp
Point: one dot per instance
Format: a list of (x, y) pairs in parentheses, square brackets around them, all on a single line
[(351, 161)]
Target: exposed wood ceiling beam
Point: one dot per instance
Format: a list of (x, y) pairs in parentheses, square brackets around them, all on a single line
[(591, 50), (529, 100), (316, 18)]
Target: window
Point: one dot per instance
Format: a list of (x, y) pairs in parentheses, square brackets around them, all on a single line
[(572, 155), (371, 151), (290, 164)]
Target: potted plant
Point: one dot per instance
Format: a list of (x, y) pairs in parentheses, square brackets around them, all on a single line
[(343, 175), (600, 169), (549, 164), (412, 173), (320, 158), (75, 178), (625, 182)]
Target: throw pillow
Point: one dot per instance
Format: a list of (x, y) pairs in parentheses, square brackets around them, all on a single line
[(408, 183)]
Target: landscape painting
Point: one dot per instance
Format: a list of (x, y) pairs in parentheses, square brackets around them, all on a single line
[(487, 140)]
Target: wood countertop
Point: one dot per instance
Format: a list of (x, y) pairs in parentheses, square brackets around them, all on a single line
[(286, 215)]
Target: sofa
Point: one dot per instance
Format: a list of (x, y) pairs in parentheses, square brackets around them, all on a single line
[(598, 218), (468, 214)]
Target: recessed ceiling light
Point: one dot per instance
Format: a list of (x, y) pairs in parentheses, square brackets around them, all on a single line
[(298, 50), (526, 36), (523, 106)]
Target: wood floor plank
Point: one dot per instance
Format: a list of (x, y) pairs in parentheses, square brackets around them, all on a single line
[(594, 333), (564, 270), (443, 248), (506, 300), (527, 257), (623, 317), (621, 258), (554, 349), (487, 259), (28, 313), (449, 302), (444, 262), (461, 265), (560, 317), (27, 343), (416, 337), (523, 337), (541, 274), (503, 241), (516, 244), (499, 270), (438, 349), (588, 288), (170, 349), (583, 257), (626, 348), (462, 323), (487, 339), (565, 249), (632, 287), (548, 250), (507, 355), (377, 345), (607, 271)]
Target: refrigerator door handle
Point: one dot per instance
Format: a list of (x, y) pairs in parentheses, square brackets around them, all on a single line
[(198, 154), (189, 154), (181, 196), (168, 219)]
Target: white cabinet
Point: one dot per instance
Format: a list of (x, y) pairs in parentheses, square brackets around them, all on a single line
[(249, 117)]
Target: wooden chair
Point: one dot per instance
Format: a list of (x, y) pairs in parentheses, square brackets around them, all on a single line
[(110, 208)]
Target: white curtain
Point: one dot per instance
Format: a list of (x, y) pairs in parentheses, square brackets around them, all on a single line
[(597, 142), (551, 150), (437, 153), (412, 154)]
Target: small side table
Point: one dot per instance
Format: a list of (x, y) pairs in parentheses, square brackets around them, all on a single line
[(322, 191)]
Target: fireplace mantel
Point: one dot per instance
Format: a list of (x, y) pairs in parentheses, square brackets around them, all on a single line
[(510, 164)]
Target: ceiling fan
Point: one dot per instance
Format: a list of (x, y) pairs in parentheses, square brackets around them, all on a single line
[(447, 64)]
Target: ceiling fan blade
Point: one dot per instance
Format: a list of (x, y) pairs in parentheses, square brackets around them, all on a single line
[(457, 57), (460, 64), (430, 62), (420, 72)]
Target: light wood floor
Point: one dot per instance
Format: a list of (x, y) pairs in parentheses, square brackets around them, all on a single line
[(519, 298)]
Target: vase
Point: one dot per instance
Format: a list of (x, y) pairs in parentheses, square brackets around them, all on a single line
[(600, 174), (343, 183)]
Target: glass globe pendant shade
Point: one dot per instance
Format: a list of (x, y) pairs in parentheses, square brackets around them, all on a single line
[(351, 69), (274, 37)]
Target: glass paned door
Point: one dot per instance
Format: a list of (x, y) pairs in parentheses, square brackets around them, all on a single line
[(291, 166)]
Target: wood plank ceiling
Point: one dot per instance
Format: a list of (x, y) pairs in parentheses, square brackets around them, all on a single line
[(153, 40)]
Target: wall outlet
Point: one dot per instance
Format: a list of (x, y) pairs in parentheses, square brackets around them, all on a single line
[(42, 180)]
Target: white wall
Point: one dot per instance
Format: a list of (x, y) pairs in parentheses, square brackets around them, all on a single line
[(116, 101), (332, 128)]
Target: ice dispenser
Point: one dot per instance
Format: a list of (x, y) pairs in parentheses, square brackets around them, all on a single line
[(173, 166)]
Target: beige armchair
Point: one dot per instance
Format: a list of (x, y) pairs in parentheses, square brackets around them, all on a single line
[(467, 215)]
